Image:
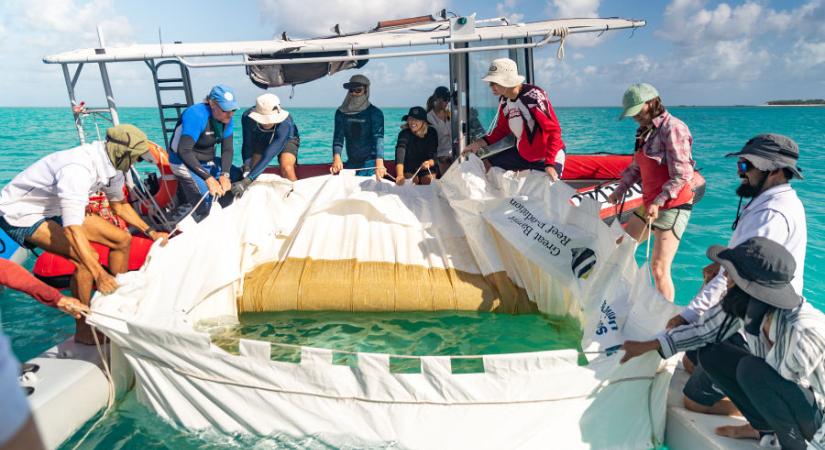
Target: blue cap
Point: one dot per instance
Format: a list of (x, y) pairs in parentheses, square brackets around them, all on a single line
[(224, 96)]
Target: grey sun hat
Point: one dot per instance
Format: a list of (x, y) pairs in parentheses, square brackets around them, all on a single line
[(761, 268), (771, 152), (356, 81)]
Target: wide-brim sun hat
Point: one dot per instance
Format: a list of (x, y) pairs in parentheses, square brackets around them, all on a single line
[(503, 72), (762, 268), (268, 110), (635, 97), (771, 152)]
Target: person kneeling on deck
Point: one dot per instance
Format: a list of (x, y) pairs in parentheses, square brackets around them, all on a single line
[(44, 206), (779, 385), (268, 131), (193, 159), (525, 112), (416, 149), (765, 165), (360, 125)]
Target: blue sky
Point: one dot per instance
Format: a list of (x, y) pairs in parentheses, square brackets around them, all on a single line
[(697, 52)]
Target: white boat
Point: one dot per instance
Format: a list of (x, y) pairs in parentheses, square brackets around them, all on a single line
[(477, 239)]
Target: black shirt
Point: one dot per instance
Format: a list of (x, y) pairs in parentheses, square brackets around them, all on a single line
[(412, 150)]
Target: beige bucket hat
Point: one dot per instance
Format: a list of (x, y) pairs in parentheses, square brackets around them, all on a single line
[(268, 110), (504, 72)]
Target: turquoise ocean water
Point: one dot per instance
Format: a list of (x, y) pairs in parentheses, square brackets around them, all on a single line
[(33, 133)]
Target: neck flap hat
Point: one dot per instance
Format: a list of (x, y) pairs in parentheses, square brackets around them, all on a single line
[(762, 268), (125, 144)]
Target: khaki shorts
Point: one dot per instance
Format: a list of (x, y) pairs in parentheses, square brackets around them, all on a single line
[(675, 220)]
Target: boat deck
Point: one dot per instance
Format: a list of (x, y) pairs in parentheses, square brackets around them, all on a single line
[(687, 430)]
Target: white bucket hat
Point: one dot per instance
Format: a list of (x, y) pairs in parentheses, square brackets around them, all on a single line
[(268, 110), (504, 72)]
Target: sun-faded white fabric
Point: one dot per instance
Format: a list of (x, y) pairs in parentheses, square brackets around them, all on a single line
[(521, 225)]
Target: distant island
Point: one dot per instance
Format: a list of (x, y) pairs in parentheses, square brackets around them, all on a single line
[(811, 102)]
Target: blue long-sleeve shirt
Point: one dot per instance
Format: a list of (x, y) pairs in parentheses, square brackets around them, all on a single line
[(362, 133), (268, 143)]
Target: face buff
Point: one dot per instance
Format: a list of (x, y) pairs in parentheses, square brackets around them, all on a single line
[(125, 144)]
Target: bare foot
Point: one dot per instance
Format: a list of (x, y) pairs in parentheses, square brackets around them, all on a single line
[(738, 431)]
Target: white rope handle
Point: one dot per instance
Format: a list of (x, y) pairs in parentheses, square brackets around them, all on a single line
[(562, 33), (647, 252)]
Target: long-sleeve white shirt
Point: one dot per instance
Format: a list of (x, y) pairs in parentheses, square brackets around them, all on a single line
[(59, 185), (776, 214)]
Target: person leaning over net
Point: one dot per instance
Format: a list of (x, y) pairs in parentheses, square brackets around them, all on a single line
[(525, 112), (268, 132), (359, 128), (416, 149)]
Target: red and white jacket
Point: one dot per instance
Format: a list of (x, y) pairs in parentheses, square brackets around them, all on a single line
[(531, 119)]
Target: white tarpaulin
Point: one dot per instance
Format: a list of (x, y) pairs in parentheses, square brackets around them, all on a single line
[(486, 237)]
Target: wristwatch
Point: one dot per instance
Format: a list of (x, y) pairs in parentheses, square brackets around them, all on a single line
[(149, 230)]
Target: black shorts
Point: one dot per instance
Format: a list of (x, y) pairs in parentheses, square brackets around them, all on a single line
[(510, 159), (291, 146)]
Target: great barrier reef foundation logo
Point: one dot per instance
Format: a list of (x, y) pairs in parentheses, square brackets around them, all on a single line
[(583, 261)]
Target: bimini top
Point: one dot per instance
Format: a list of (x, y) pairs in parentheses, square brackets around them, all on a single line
[(423, 32)]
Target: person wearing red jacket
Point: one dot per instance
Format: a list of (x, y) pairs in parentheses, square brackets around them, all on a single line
[(19, 279), (524, 111)]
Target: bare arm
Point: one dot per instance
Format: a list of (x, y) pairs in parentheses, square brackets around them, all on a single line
[(131, 217)]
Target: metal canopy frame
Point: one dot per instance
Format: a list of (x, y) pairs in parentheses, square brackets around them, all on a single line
[(462, 31)]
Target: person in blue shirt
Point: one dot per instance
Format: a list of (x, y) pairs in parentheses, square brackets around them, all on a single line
[(268, 131), (359, 125), (193, 160)]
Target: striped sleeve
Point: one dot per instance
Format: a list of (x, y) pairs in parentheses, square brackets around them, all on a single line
[(805, 353), (698, 334)]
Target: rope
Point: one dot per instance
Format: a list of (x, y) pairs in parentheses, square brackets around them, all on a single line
[(222, 380), (192, 211), (107, 372), (562, 33), (647, 252)]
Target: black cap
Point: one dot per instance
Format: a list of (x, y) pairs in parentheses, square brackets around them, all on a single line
[(416, 112), (761, 268), (442, 92), (771, 152)]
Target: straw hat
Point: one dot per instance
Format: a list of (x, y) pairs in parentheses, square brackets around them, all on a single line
[(268, 110)]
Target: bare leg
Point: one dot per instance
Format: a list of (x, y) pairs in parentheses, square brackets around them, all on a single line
[(50, 237), (119, 241), (738, 431), (287, 162), (688, 364), (723, 407), (665, 245)]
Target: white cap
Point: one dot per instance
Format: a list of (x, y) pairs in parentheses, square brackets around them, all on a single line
[(504, 72), (268, 110)]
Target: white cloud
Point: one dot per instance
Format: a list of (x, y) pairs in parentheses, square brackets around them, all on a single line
[(295, 18), (419, 73), (506, 10), (73, 23), (575, 9), (807, 55)]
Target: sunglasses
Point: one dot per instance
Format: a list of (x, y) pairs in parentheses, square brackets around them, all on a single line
[(358, 90), (743, 166)]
